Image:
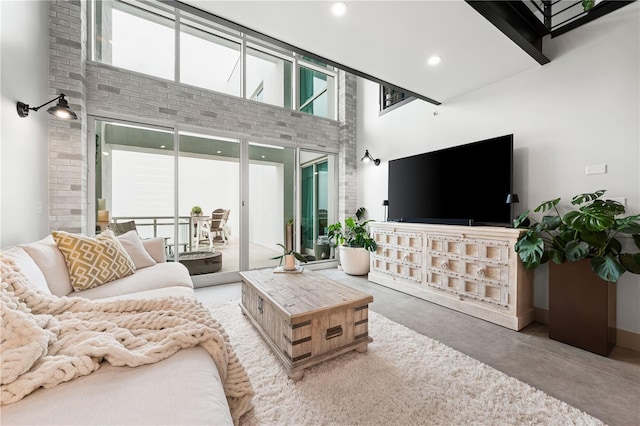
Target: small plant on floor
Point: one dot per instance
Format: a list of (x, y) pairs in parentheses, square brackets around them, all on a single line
[(288, 252), (354, 233)]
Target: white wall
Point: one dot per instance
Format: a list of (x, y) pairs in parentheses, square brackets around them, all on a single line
[(23, 144), (580, 109)]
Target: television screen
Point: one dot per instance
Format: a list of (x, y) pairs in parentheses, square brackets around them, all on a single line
[(466, 184)]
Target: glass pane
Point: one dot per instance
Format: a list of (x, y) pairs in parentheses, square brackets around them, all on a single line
[(134, 38), (268, 79), (318, 195), (316, 93), (134, 181), (209, 61), (272, 202), (209, 178)]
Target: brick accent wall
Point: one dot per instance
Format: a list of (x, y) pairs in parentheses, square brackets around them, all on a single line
[(98, 89), (68, 139)]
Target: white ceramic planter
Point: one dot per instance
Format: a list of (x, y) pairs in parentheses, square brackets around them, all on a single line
[(354, 260), (289, 262)]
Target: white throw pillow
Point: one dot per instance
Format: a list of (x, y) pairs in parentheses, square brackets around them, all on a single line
[(52, 264), (29, 268), (133, 246)]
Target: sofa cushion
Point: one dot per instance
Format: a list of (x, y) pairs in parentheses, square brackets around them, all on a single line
[(183, 389), (28, 267), (134, 248), (93, 261), (52, 264), (168, 274), (156, 248)]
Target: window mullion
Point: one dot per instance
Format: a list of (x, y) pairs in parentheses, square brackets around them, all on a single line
[(243, 67), (176, 58), (296, 84)]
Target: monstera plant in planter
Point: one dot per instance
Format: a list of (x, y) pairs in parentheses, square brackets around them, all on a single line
[(354, 242), (588, 258)]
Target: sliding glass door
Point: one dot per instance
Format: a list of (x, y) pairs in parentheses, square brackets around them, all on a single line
[(209, 197), (271, 202), (318, 202)]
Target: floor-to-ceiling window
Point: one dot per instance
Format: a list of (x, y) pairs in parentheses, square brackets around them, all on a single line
[(186, 186), (135, 177)]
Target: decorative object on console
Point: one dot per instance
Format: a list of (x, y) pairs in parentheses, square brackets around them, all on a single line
[(575, 240), (196, 211), (367, 158), (60, 110), (385, 203), (511, 200), (289, 256), (354, 242)]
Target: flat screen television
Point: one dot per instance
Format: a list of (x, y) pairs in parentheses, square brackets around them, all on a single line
[(462, 185)]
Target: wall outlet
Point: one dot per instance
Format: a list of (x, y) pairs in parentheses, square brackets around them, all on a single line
[(597, 169)]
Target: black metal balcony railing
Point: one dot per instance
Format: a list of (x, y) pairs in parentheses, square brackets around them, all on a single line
[(561, 16)]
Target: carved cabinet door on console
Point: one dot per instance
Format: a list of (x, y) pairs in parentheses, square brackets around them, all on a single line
[(399, 254), (474, 270)]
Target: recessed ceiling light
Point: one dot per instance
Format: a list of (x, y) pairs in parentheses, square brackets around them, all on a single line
[(218, 152), (339, 8), (162, 146), (105, 153), (434, 60), (263, 156)]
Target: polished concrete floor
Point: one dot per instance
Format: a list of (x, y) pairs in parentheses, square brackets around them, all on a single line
[(607, 388)]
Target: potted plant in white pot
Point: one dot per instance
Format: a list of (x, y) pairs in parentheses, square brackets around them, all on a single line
[(289, 256), (354, 243), (587, 260)]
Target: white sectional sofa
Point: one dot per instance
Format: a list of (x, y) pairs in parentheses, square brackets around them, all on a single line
[(183, 389)]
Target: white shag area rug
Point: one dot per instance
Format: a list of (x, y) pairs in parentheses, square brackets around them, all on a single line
[(404, 378)]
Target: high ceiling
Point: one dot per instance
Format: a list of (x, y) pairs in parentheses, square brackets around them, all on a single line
[(390, 40)]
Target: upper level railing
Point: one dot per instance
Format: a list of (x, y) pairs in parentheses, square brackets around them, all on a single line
[(560, 16)]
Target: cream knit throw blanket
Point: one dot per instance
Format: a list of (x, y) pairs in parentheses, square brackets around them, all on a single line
[(47, 340)]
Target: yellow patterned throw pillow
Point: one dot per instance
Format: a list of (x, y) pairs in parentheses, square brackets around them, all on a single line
[(93, 261)]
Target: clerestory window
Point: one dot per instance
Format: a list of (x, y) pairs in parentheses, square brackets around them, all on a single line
[(141, 36)]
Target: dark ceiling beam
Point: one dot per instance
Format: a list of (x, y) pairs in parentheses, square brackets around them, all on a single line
[(517, 22)]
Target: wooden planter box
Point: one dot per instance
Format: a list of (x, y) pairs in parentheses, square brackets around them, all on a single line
[(582, 307)]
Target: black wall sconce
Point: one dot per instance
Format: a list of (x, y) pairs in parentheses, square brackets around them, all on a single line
[(367, 158), (60, 110)]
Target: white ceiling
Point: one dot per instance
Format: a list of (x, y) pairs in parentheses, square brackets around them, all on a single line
[(390, 40)]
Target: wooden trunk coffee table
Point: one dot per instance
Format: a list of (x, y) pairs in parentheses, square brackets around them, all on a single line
[(305, 317)]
